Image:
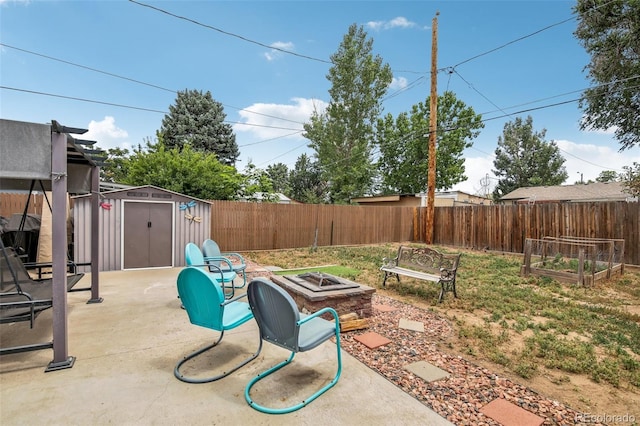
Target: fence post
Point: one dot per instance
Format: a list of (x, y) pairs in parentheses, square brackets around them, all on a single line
[(527, 257), (581, 266)]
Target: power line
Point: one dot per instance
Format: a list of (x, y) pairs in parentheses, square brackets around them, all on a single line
[(523, 37), (514, 41), (135, 81), (270, 139), (82, 99), (248, 40), (93, 101)]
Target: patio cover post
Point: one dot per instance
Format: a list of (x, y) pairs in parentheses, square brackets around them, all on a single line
[(95, 235), (59, 248)]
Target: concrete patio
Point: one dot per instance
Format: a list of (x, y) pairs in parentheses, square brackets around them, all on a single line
[(126, 349)]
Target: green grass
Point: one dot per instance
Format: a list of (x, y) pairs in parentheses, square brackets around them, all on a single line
[(337, 270), (570, 329)]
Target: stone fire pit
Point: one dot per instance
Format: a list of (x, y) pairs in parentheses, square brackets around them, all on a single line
[(314, 291)]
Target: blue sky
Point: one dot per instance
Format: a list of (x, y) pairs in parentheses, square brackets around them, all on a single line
[(114, 67)]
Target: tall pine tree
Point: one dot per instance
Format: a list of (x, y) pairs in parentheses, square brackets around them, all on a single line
[(198, 120)]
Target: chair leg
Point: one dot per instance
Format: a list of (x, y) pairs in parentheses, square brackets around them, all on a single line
[(244, 279), (180, 376), (301, 404)]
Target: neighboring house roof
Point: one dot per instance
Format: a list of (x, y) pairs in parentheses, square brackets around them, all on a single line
[(596, 191), (260, 196), (455, 195)]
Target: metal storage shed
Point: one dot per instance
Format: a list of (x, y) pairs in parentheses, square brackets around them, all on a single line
[(141, 227)]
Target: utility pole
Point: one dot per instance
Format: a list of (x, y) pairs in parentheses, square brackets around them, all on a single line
[(433, 123)]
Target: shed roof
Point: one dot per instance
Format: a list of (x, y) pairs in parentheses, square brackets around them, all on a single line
[(106, 194), (595, 191)]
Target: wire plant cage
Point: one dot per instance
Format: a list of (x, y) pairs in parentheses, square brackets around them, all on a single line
[(575, 260)]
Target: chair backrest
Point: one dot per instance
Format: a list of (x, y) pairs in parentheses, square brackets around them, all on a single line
[(12, 271), (201, 297), (193, 255), (211, 249), (276, 313)]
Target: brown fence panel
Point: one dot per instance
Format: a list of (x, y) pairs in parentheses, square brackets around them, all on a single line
[(11, 203), (240, 226), (506, 227)]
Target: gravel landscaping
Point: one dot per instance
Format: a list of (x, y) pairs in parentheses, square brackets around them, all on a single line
[(459, 397)]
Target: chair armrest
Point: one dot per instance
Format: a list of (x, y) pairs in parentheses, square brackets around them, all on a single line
[(319, 313), (234, 255), (241, 296), (219, 258)]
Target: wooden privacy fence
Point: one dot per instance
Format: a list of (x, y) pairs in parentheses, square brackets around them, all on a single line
[(241, 226), (506, 227)]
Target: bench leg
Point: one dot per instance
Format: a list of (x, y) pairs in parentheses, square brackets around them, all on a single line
[(386, 275), (447, 286)]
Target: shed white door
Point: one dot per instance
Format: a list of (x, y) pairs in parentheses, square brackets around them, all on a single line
[(148, 234)]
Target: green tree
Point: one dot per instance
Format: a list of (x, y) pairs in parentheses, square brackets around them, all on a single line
[(524, 158), (404, 149), (306, 182), (195, 173), (198, 120), (609, 30), (116, 167), (607, 176), (279, 175), (257, 185), (631, 179), (343, 135)]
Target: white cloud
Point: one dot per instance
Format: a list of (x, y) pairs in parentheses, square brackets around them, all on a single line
[(107, 134), (273, 132), (398, 22), (480, 179), (267, 121), (398, 83), (274, 53), (589, 160)]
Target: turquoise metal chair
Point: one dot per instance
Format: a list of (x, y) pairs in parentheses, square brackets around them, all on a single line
[(213, 255), (194, 257), (207, 307), (283, 325)]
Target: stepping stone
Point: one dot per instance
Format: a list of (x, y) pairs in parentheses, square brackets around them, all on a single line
[(372, 340), (426, 371), (271, 268), (384, 308), (509, 414), (411, 325)]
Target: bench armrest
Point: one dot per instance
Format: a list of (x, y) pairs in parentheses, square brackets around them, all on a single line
[(389, 263), (447, 274)]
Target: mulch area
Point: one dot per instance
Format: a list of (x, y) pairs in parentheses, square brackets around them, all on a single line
[(459, 397)]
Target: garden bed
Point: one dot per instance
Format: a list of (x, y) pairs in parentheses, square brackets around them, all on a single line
[(580, 261)]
